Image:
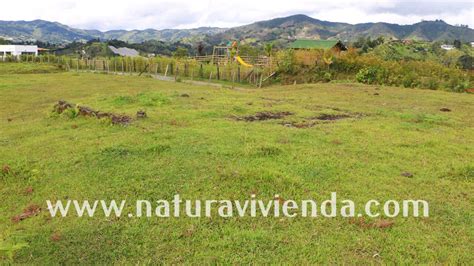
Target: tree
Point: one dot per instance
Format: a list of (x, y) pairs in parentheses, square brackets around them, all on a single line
[(457, 44), (200, 49), (3, 41), (451, 57), (466, 62), (268, 49), (180, 52)]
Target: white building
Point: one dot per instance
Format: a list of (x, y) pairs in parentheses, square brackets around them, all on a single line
[(17, 50), (447, 47)]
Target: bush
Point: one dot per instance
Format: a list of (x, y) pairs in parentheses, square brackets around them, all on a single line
[(327, 77), (458, 85), (466, 62), (286, 61), (430, 83), (409, 80), (372, 75)]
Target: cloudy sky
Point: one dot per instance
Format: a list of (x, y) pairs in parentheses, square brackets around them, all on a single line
[(160, 14)]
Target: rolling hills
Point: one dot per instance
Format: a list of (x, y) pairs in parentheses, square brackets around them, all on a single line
[(278, 29)]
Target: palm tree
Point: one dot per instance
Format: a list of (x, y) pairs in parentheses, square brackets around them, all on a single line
[(269, 49)]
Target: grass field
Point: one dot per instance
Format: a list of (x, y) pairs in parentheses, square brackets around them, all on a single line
[(196, 147)]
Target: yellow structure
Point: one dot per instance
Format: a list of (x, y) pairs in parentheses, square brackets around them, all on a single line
[(242, 62)]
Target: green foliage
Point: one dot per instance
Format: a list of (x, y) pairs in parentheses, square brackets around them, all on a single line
[(450, 58), (3, 41), (373, 68), (372, 75), (286, 61), (9, 249), (365, 44), (466, 62), (249, 50), (458, 85), (70, 113), (269, 49), (409, 80), (430, 83), (327, 76), (180, 52)]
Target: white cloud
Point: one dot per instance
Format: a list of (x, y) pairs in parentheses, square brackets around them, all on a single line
[(159, 14)]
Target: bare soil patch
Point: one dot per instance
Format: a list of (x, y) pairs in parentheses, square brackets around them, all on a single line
[(262, 116)]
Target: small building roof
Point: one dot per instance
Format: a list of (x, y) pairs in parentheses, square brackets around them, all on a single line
[(313, 44), (124, 51)]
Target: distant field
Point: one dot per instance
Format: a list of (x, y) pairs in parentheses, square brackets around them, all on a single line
[(197, 146)]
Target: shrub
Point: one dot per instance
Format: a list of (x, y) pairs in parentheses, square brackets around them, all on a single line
[(457, 85), (430, 83), (286, 61), (372, 75), (466, 62), (327, 76), (409, 80)]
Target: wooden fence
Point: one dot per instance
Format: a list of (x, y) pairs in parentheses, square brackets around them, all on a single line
[(186, 68)]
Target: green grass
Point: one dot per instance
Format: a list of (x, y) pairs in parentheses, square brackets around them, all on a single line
[(193, 146), (28, 68)]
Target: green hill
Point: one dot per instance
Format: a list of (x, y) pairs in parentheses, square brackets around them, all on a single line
[(279, 30)]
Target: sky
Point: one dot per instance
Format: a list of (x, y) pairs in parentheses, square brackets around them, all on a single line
[(163, 14)]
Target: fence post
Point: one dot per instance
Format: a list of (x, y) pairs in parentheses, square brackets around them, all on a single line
[(238, 74), (233, 79), (218, 74)]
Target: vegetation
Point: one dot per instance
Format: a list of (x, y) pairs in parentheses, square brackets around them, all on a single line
[(97, 48), (305, 66), (194, 146)]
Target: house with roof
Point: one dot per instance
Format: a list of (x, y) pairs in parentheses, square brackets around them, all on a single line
[(318, 44)]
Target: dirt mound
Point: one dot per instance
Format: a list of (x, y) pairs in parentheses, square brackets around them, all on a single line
[(261, 116), (62, 106), (30, 211), (141, 114)]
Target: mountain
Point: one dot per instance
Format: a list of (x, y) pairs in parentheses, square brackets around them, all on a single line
[(43, 31), (279, 30), (304, 27), (167, 35), (55, 32)]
